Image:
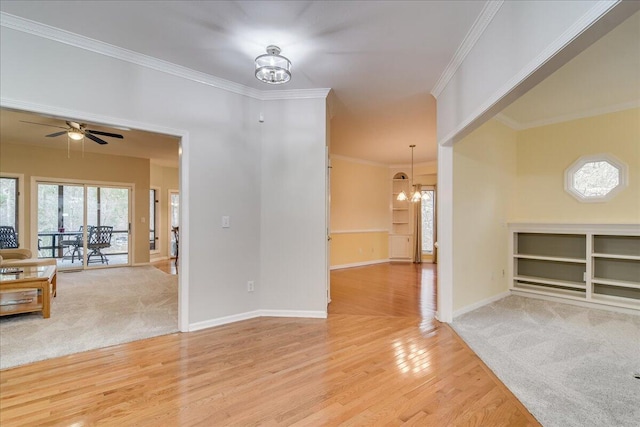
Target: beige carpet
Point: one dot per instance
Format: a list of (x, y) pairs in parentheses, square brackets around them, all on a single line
[(570, 366), (93, 309)]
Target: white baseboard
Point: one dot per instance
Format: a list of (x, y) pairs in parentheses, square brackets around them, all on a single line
[(254, 314), (586, 304), (223, 320), (359, 264), (139, 264), (480, 303), (158, 258), (294, 313)]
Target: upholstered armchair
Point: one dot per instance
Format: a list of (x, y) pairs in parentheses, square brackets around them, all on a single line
[(22, 258)]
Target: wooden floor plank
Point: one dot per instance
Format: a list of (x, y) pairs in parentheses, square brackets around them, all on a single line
[(379, 359)]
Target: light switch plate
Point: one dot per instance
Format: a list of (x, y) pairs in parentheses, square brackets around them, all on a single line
[(225, 222)]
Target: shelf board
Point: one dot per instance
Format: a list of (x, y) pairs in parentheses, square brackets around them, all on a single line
[(400, 209), (618, 283), (551, 292), (400, 222), (543, 281), (551, 258), (612, 256), (616, 301)]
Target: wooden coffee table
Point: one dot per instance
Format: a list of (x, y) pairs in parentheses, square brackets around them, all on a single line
[(27, 289)]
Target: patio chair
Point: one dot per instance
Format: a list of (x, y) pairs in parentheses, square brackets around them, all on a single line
[(99, 238), (73, 246), (176, 235), (8, 237)]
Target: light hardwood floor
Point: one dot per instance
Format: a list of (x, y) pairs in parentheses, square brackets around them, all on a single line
[(379, 359)]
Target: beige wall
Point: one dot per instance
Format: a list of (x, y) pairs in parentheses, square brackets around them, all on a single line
[(544, 153), (52, 163), (484, 177), (360, 201), (165, 179)]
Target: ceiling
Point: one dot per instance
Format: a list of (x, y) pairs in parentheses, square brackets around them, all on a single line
[(377, 56), (160, 149)]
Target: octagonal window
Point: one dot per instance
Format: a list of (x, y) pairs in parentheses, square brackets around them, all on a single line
[(595, 178)]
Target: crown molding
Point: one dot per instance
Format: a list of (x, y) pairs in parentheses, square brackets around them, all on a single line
[(359, 161), (269, 95), (599, 9), (576, 116), (508, 121), (481, 23), (72, 39)]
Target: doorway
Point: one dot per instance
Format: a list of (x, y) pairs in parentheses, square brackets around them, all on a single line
[(83, 225)]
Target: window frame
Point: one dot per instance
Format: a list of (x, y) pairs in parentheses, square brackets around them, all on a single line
[(156, 219), (19, 214), (623, 177)]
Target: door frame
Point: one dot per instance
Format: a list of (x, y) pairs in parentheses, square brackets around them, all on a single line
[(33, 226)]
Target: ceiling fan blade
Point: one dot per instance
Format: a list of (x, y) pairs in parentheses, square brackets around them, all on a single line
[(42, 124), (51, 135), (95, 138), (97, 132)]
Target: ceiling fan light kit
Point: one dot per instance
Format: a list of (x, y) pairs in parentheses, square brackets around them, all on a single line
[(273, 68)]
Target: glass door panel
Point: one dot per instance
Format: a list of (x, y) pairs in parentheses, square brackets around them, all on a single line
[(107, 226), (60, 221), (174, 218)]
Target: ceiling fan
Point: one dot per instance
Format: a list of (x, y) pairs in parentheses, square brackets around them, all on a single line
[(77, 131)]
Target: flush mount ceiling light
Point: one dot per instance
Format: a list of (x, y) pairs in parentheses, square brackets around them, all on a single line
[(416, 195), (273, 68)]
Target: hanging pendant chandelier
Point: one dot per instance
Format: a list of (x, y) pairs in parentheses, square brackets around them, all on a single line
[(273, 68), (416, 195)]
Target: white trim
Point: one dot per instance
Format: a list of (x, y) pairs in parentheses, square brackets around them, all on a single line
[(481, 303), (479, 26), (444, 208), (272, 95), (380, 230), (137, 264), (223, 320), (255, 314), (306, 314), (359, 161), (426, 164), (570, 34), (600, 305), (48, 32), (508, 121), (515, 125), (586, 228), (157, 259), (359, 264)]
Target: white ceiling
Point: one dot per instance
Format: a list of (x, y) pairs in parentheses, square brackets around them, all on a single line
[(375, 55)]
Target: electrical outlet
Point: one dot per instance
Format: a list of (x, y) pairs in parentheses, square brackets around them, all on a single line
[(251, 286)]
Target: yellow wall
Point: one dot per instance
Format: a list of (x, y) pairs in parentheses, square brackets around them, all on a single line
[(52, 163), (360, 201), (165, 179), (350, 248), (484, 177), (544, 153)]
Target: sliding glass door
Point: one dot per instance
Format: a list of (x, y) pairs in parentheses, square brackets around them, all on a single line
[(83, 225)]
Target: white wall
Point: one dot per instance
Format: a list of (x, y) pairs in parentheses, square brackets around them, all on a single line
[(221, 170), (523, 43), (293, 200)]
